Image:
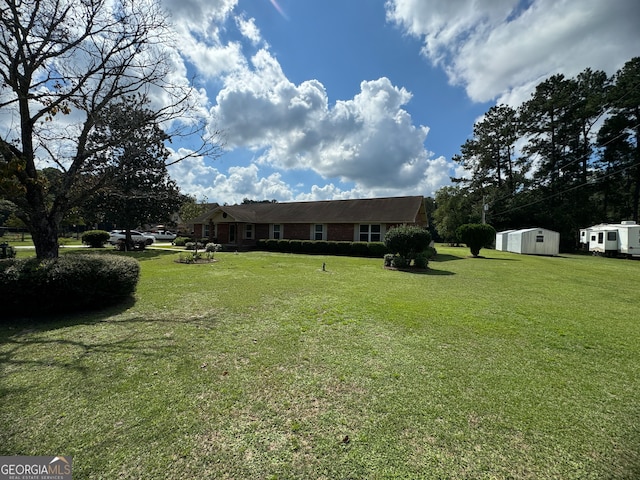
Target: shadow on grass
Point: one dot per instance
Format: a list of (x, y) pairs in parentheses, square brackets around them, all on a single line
[(481, 257), (148, 254), (422, 271), (22, 344), (445, 258)]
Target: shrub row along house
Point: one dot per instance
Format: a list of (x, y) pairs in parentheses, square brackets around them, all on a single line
[(362, 220)]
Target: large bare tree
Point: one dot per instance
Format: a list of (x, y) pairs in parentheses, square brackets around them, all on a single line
[(62, 64)]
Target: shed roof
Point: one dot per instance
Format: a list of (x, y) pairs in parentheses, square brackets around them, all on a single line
[(371, 210)]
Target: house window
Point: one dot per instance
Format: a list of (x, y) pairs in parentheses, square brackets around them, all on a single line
[(611, 236), (207, 233), (370, 233), (540, 239), (318, 232), (248, 231), (276, 231)]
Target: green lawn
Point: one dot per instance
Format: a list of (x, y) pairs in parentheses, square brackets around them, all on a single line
[(262, 365)]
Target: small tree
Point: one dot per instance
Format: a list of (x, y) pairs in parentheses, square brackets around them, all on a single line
[(407, 240), (476, 236)]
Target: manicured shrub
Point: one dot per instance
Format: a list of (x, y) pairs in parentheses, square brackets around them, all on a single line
[(476, 236), (377, 249), (399, 261), (343, 248), (283, 245), (95, 238), (68, 283), (295, 246), (271, 244), (421, 260), (407, 240), (360, 249), (320, 246), (181, 241)]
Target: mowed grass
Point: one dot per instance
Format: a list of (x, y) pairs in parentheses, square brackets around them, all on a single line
[(263, 365)]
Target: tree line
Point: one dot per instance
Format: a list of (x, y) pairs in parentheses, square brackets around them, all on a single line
[(567, 158)]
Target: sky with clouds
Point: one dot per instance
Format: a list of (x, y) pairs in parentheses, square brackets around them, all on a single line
[(338, 99)]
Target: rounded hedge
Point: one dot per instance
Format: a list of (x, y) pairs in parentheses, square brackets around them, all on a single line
[(407, 240), (95, 238), (68, 283), (476, 236)]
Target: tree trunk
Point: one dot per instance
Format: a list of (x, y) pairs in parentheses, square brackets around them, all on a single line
[(45, 238)]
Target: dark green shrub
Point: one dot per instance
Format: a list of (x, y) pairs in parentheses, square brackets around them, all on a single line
[(67, 283), (399, 261), (271, 244), (283, 245), (95, 238), (407, 240), (360, 249), (181, 241), (6, 250), (476, 236), (377, 249), (421, 260), (295, 246), (319, 246), (343, 248)]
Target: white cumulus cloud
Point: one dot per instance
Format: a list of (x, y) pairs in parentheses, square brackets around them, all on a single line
[(499, 49)]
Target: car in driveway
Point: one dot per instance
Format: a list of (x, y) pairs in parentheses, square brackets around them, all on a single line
[(138, 237), (162, 235)]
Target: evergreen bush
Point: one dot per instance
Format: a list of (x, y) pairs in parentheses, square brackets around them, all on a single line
[(180, 241), (407, 240), (476, 236), (95, 238), (68, 283)]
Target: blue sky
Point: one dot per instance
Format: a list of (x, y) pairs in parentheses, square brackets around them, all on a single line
[(336, 99)]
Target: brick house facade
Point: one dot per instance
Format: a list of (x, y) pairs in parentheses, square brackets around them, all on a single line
[(241, 226)]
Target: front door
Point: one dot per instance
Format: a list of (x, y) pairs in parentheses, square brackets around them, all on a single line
[(232, 233)]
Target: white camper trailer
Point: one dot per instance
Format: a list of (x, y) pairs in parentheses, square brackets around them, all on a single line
[(613, 239), (533, 241)]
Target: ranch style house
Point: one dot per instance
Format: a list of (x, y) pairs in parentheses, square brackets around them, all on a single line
[(361, 220)]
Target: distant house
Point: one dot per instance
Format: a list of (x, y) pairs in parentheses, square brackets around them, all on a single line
[(365, 220), (532, 241)]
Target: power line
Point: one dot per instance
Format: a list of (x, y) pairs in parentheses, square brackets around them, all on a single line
[(575, 187)]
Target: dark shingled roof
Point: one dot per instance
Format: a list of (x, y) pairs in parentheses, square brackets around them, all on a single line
[(369, 210)]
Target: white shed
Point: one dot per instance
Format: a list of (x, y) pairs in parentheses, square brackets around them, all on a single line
[(534, 241), (502, 239)]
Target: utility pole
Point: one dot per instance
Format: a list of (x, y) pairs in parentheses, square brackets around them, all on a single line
[(485, 207)]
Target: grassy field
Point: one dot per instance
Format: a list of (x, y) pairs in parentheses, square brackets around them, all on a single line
[(265, 366)]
